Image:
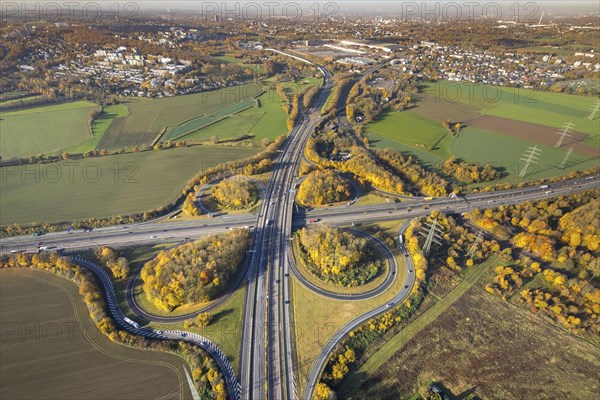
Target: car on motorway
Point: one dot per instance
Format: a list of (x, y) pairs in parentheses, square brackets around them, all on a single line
[(406, 287), (391, 304), (153, 237), (36, 233)]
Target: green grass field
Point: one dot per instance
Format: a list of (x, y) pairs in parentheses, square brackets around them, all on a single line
[(418, 129), (51, 348), (196, 124), (266, 121), (150, 117), (104, 186), (485, 147), (411, 130), (534, 106), (45, 129), (99, 127), (294, 88)]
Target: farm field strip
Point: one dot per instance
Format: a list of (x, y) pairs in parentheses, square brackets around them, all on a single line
[(188, 127), (150, 118), (104, 186), (45, 129), (63, 351), (494, 133)]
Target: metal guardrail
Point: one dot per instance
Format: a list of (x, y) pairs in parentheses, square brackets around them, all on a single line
[(230, 378)]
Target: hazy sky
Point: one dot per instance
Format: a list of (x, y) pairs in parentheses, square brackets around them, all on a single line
[(526, 9), (362, 4)]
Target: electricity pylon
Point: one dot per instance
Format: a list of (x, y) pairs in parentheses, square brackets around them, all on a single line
[(564, 132), (475, 243), (432, 235), (531, 156), (564, 161)]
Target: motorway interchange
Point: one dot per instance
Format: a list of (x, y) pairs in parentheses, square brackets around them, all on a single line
[(267, 361)]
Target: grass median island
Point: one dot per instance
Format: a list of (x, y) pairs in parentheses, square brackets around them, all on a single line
[(234, 194), (194, 272), (314, 280), (338, 257), (104, 186), (73, 352), (224, 330), (318, 318)]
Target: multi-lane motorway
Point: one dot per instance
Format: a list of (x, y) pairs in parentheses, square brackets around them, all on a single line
[(138, 234), (266, 355)]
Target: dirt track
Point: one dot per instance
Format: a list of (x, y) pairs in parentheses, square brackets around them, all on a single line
[(532, 132)]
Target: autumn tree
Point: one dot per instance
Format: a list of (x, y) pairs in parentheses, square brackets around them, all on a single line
[(235, 194), (323, 187), (194, 272), (338, 256), (189, 206)]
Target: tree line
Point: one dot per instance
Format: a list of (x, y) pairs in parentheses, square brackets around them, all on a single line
[(560, 243), (113, 260), (470, 172)]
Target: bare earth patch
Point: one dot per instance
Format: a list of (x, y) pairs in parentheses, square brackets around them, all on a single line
[(437, 109), (532, 132)]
